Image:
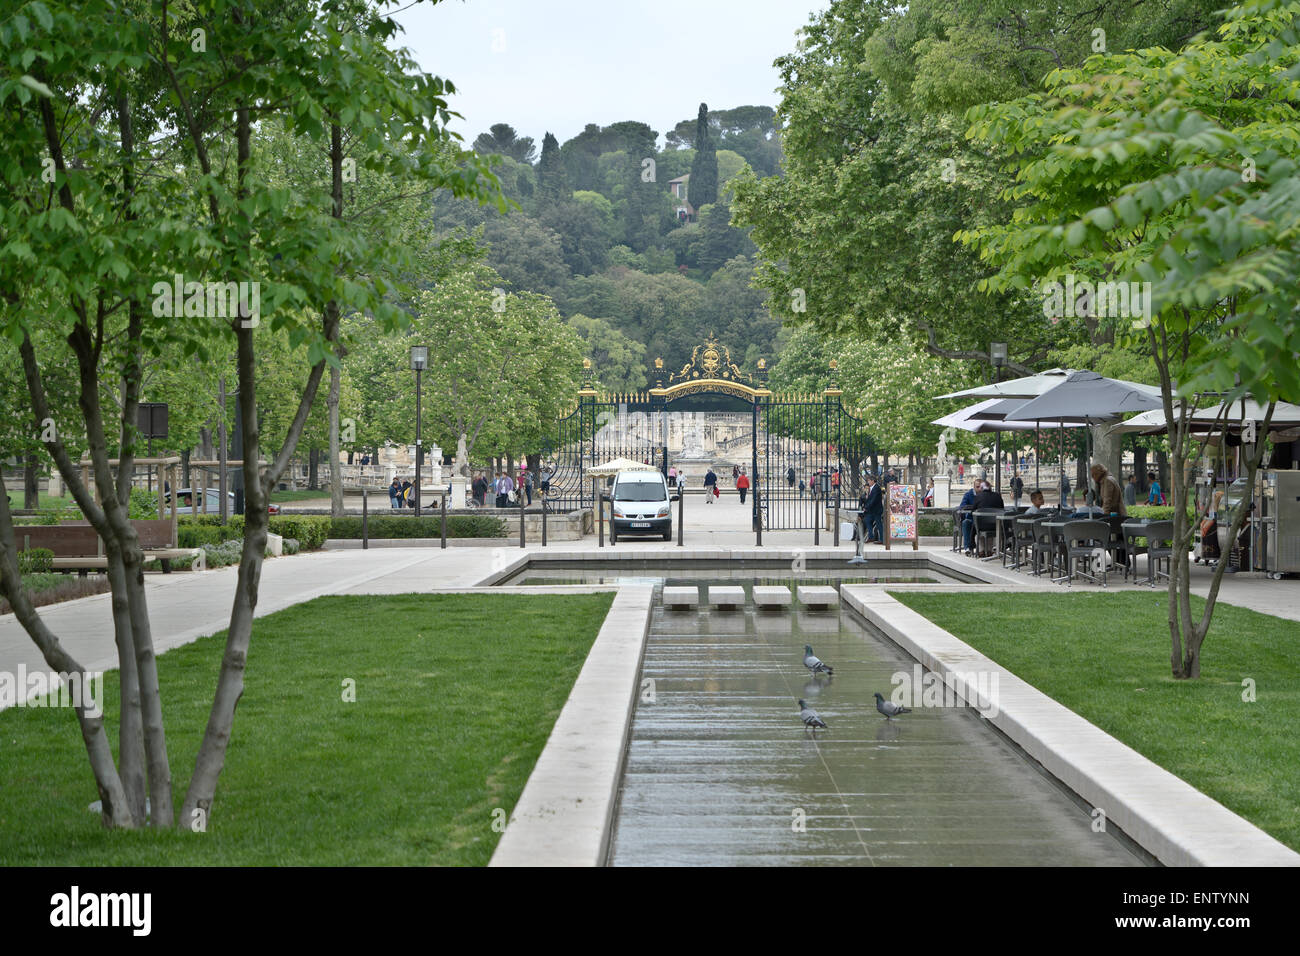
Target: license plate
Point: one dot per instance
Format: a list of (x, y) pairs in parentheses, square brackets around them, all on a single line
[(640, 524)]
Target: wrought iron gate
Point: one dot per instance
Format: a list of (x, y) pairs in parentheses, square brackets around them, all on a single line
[(796, 439)]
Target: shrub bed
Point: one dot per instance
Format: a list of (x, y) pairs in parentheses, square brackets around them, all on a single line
[(196, 531), (425, 526)]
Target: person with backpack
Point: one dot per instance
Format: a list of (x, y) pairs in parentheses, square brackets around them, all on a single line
[(405, 497)]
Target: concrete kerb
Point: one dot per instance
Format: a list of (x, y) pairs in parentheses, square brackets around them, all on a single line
[(565, 814), (1169, 818)]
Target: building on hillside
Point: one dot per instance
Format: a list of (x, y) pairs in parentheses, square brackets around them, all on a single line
[(685, 211)]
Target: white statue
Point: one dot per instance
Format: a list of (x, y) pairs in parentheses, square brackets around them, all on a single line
[(461, 465)]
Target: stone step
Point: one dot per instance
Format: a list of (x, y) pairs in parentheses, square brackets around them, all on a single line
[(681, 597), (726, 596), (818, 596), (771, 595)]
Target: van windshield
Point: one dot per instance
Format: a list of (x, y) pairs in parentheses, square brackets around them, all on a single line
[(641, 491)]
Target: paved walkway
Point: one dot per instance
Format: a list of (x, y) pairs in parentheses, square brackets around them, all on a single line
[(185, 606)]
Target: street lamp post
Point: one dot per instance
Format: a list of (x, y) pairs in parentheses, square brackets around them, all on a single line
[(998, 356), (419, 362)]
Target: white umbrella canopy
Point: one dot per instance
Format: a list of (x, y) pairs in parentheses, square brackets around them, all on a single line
[(1087, 398), (972, 419), (1285, 415), (619, 464), (1031, 386)]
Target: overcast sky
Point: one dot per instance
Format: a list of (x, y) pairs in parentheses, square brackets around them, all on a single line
[(560, 64)]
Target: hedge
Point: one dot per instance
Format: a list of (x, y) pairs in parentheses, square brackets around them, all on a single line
[(35, 561), (195, 531), (425, 526)]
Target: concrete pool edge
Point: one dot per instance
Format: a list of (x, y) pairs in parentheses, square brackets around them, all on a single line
[(565, 814), (1163, 814)]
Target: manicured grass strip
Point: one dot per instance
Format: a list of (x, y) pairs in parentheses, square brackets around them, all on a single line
[(300, 494), (1106, 657), (455, 697)]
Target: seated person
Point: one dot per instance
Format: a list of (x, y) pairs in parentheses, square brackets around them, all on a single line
[(986, 498), (1035, 503)]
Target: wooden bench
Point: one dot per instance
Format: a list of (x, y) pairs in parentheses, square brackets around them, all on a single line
[(76, 545)]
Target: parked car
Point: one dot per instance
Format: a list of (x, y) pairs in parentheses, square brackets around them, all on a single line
[(641, 504), (187, 501)]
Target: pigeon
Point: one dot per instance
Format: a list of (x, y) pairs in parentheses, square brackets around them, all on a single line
[(889, 708), (814, 664), (810, 717)]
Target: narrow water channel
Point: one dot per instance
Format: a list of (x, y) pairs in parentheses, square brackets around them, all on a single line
[(721, 771)]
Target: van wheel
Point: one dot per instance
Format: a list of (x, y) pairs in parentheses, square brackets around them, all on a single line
[(613, 536), (668, 535)]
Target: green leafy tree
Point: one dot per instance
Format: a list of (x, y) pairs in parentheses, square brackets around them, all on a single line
[(1153, 167), (503, 139)]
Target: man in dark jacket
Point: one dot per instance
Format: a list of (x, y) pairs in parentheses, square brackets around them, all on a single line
[(872, 503), (986, 497), (710, 483)]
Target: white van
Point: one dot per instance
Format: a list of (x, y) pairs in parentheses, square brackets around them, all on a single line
[(641, 504)]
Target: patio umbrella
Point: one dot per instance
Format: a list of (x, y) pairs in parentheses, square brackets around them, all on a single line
[(1031, 386), (1086, 398), (1286, 415), (986, 417)]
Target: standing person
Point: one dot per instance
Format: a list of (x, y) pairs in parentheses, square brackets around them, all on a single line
[(479, 488), (499, 490), (1155, 496), (526, 483), (1109, 492), (710, 486), (790, 476), (672, 476), (735, 473), (1017, 489), (961, 472), (835, 482), (1065, 489), (742, 484), (1131, 491), (873, 507), (406, 492), (802, 487), (395, 494), (928, 500)]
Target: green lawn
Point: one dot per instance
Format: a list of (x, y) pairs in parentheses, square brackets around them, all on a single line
[(301, 494), (1106, 657), (455, 697)]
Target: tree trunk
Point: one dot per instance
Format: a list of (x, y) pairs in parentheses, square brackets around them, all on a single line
[(130, 746), (1162, 472), (31, 482), (336, 479), (313, 457)]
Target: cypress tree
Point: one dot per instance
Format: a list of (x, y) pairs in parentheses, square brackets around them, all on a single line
[(552, 182), (702, 188)]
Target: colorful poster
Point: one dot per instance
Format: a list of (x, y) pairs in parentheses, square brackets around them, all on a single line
[(900, 515)]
